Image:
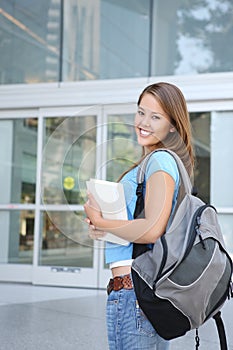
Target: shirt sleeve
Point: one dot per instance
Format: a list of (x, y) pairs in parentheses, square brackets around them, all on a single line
[(162, 161)]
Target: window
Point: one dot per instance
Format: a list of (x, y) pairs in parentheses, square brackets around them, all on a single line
[(18, 153), (58, 40), (29, 41), (65, 240), (69, 158), (106, 39), (201, 138), (222, 160), (221, 174), (191, 37), (17, 236), (123, 149)]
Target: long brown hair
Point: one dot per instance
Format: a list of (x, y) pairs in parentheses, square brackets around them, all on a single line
[(174, 105)]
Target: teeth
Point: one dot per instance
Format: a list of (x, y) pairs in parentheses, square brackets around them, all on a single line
[(145, 133)]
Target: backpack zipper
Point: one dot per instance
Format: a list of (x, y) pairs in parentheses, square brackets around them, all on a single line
[(196, 222)]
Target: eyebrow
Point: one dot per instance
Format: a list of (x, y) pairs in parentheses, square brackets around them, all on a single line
[(151, 111)]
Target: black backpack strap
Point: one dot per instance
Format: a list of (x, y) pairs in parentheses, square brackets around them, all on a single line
[(197, 340), (139, 249), (139, 208), (221, 330)]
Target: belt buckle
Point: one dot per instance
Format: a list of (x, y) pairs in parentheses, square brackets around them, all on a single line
[(118, 283)]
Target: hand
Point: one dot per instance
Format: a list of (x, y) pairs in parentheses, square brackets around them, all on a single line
[(92, 210), (92, 232)]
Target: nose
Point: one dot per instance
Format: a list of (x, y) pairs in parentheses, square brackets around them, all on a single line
[(146, 121)]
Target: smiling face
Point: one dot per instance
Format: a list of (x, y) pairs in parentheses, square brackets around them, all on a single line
[(152, 125)]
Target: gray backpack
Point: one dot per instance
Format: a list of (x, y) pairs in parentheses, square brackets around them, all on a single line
[(186, 277)]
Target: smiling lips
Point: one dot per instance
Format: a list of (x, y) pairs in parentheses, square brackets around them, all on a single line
[(144, 132)]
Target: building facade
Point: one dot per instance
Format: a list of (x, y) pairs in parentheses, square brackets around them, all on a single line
[(70, 75)]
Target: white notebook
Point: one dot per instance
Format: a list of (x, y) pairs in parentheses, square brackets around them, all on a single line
[(111, 199)]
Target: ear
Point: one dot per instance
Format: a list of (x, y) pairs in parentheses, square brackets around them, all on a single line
[(172, 129)]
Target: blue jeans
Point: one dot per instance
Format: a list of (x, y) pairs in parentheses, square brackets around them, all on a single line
[(128, 328)]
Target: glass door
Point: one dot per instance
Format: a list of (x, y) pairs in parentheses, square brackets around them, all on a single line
[(18, 152), (67, 157), (46, 157)]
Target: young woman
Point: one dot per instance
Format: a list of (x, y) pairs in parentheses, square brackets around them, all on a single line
[(161, 121)]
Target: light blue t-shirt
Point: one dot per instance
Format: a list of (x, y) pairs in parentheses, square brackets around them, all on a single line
[(157, 162)]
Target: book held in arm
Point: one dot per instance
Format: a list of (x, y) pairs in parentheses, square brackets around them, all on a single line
[(111, 199)]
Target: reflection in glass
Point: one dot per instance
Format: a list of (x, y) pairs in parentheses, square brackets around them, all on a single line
[(18, 152), (29, 41), (123, 149), (17, 236), (190, 38), (201, 134), (69, 159), (64, 240), (203, 29), (106, 39)]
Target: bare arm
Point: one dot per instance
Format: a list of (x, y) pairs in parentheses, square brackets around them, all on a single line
[(158, 203)]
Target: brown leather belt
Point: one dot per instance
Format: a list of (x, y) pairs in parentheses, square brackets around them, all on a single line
[(118, 283)]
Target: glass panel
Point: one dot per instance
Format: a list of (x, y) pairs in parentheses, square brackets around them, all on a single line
[(226, 223), (201, 134), (122, 147), (69, 158), (17, 236), (29, 37), (18, 151), (64, 240), (222, 160), (105, 39), (191, 37)]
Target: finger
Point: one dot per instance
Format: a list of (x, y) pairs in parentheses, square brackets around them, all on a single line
[(91, 200), (93, 236), (97, 234), (89, 196)]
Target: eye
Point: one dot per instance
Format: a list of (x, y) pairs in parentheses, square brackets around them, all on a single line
[(140, 112), (154, 117)]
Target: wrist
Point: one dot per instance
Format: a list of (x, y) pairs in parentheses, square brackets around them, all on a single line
[(99, 223)]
